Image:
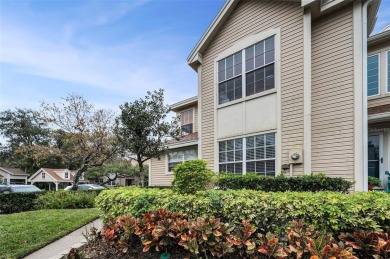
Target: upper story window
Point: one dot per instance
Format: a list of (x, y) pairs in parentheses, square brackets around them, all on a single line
[(187, 121), (230, 78), (259, 71), (66, 175), (180, 156), (373, 75), (43, 175)]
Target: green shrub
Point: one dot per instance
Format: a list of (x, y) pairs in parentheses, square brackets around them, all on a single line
[(18, 201), (268, 211), (374, 181), (304, 183), (192, 176), (66, 200)]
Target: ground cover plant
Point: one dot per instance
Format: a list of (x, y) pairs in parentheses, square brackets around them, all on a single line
[(160, 231), (267, 211), (22, 233)]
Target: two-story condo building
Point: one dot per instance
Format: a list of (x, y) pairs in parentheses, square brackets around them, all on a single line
[(282, 86)]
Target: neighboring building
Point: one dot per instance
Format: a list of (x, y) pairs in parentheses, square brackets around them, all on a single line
[(282, 86), (12, 176), (378, 77), (60, 178), (184, 149)]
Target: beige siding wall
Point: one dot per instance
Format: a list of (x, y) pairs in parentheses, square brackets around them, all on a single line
[(252, 17), (332, 95), (159, 172), (384, 99)]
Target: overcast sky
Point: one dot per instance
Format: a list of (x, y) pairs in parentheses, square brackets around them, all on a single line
[(107, 51)]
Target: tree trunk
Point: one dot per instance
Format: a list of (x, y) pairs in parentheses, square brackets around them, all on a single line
[(141, 173), (77, 176)]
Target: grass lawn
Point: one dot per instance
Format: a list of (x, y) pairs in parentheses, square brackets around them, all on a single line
[(22, 233)]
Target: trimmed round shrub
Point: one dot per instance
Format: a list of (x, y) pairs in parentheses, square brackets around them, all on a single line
[(192, 176)]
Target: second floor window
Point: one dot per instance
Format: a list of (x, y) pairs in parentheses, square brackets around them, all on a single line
[(373, 75), (187, 121), (66, 175), (43, 175), (259, 68)]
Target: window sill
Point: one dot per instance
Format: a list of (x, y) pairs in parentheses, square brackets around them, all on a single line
[(247, 98), (378, 96)]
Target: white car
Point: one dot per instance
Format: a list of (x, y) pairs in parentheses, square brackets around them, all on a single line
[(86, 187), (18, 188)]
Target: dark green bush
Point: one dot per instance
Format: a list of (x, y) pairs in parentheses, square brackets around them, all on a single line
[(268, 211), (18, 201), (192, 176), (304, 183), (67, 200)]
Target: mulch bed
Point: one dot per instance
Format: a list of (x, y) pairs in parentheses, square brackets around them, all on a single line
[(104, 251)]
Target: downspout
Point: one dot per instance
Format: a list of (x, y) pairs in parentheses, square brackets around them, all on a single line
[(365, 105)]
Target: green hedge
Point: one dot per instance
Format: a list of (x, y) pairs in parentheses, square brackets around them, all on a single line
[(304, 183), (18, 202), (268, 211), (67, 200)]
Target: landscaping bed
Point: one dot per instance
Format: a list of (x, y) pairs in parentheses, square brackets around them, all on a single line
[(25, 232), (159, 232)]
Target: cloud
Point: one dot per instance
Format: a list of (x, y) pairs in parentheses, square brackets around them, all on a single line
[(148, 62)]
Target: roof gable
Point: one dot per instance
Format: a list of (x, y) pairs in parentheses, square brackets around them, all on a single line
[(195, 57)]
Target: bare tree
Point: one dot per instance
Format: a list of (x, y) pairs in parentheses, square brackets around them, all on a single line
[(87, 133)]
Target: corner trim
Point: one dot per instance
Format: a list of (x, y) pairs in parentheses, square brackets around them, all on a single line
[(307, 91)]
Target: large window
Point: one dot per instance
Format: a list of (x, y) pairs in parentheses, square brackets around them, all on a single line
[(187, 121), (255, 154), (230, 78), (260, 154), (259, 70), (373, 75), (230, 156), (181, 155)]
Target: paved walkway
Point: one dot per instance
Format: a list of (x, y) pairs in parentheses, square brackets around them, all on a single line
[(62, 246)]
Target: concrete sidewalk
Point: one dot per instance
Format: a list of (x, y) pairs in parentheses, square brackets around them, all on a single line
[(62, 246)]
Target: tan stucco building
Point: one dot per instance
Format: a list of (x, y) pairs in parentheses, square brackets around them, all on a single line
[(282, 86)]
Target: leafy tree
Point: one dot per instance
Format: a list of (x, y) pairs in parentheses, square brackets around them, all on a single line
[(23, 131), (113, 171), (85, 134), (142, 128)]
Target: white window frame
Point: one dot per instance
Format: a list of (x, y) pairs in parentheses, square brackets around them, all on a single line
[(193, 119), (66, 175), (244, 160), (241, 47), (379, 74), (179, 149), (43, 175), (387, 69)]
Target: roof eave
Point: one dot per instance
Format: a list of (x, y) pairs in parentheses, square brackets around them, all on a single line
[(190, 101)]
